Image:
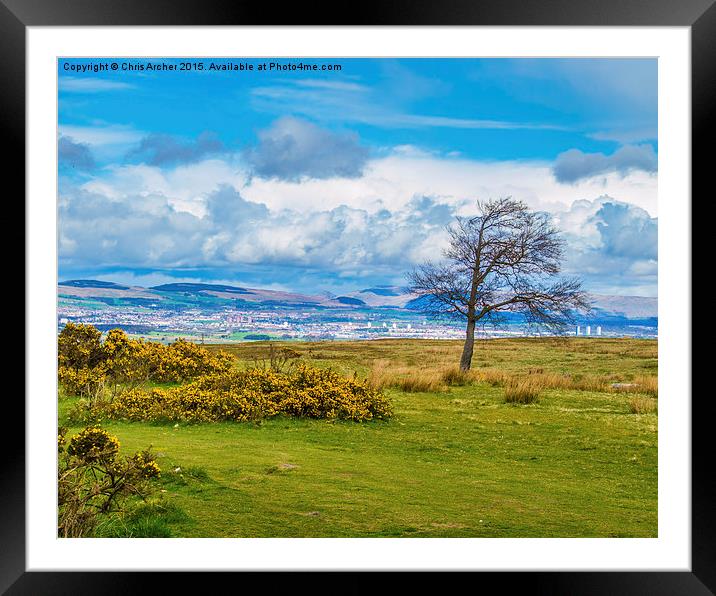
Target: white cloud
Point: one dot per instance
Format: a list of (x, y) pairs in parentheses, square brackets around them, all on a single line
[(111, 134), (185, 187), (391, 182), (150, 231), (388, 182), (91, 85), (74, 155), (295, 149), (162, 149), (574, 165), (213, 214), (612, 244)]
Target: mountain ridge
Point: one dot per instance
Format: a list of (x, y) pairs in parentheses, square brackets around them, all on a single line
[(631, 307)]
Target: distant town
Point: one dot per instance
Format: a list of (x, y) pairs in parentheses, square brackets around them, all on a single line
[(211, 313)]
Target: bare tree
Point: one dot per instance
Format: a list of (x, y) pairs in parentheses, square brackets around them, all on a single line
[(505, 259)]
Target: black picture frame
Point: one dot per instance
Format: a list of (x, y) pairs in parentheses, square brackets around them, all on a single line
[(699, 15)]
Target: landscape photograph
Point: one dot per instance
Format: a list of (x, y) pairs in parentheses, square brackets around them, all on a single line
[(357, 298)]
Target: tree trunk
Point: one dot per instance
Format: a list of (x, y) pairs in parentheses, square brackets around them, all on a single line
[(466, 359)]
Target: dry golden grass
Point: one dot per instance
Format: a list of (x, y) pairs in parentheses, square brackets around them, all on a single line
[(423, 381), (643, 405), (523, 391), (406, 378), (639, 384), (604, 366), (578, 382), (454, 376), (431, 376), (380, 374), (492, 376), (649, 384)]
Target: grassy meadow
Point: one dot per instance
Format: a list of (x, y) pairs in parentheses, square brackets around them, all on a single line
[(574, 455)]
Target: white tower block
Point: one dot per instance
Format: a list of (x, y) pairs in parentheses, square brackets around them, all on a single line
[(579, 330), (599, 330), (589, 330)]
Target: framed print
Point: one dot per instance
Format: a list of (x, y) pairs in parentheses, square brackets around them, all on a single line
[(398, 294)]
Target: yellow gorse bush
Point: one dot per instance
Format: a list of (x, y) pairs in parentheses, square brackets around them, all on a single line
[(86, 382), (212, 389), (254, 394), (183, 360), (94, 481), (145, 465), (86, 365), (79, 347), (93, 444)]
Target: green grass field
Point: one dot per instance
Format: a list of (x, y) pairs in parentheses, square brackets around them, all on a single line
[(455, 462)]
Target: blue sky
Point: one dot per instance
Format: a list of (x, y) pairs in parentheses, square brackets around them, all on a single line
[(328, 180)]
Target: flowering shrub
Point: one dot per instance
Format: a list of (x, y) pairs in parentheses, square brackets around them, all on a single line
[(213, 390), (126, 360), (79, 347), (93, 445), (85, 382), (93, 481), (86, 365), (183, 360), (254, 394), (80, 361)]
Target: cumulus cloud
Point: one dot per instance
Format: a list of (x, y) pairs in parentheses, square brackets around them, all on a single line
[(293, 148), (186, 186), (75, 155), (95, 229), (391, 181), (372, 228), (161, 149), (227, 207), (388, 181), (627, 231), (574, 165), (611, 244), (148, 231)]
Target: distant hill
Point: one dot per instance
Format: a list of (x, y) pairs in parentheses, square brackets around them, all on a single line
[(384, 291), (196, 288), (180, 295), (349, 300), (419, 303), (630, 307), (183, 294), (627, 307), (91, 283), (394, 296)]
